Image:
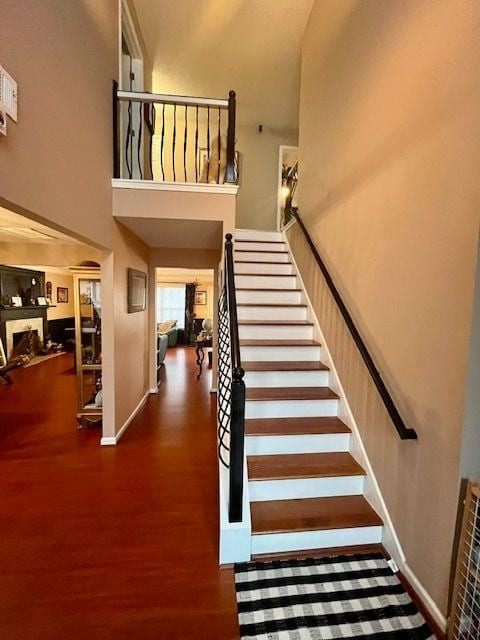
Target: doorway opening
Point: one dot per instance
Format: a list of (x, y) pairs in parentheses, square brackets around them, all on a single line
[(50, 333), (184, 319)]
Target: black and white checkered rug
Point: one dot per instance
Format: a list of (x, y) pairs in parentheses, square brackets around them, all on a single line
[(325, 598)]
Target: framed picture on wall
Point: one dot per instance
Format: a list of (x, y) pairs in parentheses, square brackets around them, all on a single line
[(137, 291), (62, 294), (200, 297)]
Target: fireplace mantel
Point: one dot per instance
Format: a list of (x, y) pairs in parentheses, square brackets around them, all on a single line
[(21, 314)]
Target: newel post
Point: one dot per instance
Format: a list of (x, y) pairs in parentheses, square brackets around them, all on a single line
[(231, 173), (116, 151)]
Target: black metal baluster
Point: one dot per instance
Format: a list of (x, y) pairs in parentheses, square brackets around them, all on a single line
[(129, 141), (208, 143), (161, 142), (185, 146), (219, 145), (139, 144), (150, 117), (174, 138)]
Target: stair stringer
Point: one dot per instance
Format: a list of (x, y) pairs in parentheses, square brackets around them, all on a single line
[(371, 491)]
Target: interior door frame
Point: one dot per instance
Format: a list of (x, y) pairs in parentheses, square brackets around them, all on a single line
[(128, 31)]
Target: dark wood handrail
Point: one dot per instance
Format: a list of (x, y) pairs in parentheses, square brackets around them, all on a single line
[(404, 432), (237, 414)]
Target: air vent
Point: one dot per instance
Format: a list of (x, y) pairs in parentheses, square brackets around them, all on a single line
[(8, 94)]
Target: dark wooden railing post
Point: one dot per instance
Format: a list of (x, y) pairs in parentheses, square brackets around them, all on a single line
[(237, 439), (404, 432), (237, 415), (231, 173), (116, 151)]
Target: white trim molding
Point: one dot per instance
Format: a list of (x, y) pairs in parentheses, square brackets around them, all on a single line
[(113, 440), (425, 597), (158, 185)]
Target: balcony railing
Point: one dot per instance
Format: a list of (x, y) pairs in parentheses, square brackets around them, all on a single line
[(174, 138)]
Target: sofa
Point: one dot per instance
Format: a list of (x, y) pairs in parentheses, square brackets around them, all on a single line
[(170, 330), (162, 344)]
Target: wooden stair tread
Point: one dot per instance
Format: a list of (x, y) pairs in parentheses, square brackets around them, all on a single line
[(278, 343), (287, 365), (263, 288), (293, 323), (268, 275), (303, 465), (310, 514), (294, 426), (290, 393), (257, 251), (262, 241), (260, 262), (270, 304)]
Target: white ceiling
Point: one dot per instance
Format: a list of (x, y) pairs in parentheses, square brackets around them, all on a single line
[(176, 234), (17, 228)]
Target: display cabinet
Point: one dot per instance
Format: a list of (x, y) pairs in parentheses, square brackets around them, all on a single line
[(88, 344)]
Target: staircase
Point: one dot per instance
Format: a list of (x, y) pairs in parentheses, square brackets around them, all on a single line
[(306, 489)]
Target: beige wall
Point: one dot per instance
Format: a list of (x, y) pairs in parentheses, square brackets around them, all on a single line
[(125, 371), (207, 48), (56, 164), (60, 310), (389, 156), (56, 161)]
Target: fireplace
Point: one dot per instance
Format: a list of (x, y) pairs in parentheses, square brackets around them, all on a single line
[(15, 329)]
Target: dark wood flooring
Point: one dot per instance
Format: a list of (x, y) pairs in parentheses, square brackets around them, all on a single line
[(111, 542)]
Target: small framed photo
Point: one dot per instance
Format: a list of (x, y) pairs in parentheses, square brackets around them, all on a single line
[(200, 297), (62, 294), (41, 301), (16, 301), (137, 291)]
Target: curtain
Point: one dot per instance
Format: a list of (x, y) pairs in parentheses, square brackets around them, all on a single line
[(171, 304), (190, 289)]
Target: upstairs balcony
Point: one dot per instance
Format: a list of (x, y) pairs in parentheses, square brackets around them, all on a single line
[(174, 160)]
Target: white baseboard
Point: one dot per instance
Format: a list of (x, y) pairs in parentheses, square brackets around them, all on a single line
[(425, 597), (113, 440), (213, 390), (154, 390)]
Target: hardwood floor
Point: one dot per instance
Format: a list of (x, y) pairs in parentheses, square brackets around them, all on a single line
[(111, 542)]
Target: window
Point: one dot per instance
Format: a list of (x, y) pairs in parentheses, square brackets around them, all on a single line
[(171, 304)]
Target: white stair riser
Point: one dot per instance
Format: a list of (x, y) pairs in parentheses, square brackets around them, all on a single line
[(306, 443), (279, 354), (254, 234), (287, 378), (260, 246), (290, 408), (321, 539), (272, 313), (292, 489), (261, 256), (275, 332), (263, 267), (266, 282), (269, 297)]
